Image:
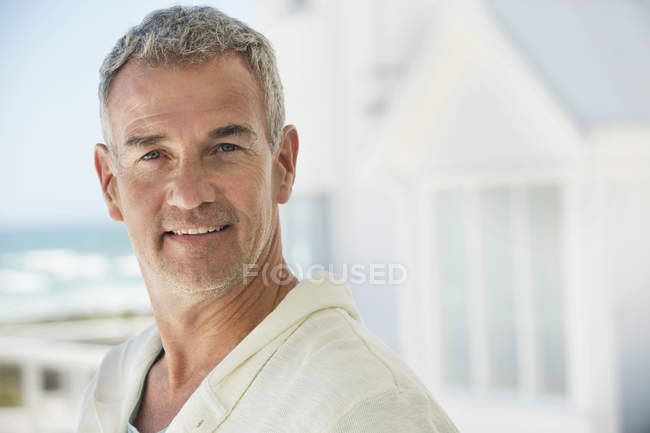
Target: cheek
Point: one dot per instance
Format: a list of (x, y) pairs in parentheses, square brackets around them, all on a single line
[(251, 194), (140, 198)]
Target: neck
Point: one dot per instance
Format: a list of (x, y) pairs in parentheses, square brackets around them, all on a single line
[(197, 334)]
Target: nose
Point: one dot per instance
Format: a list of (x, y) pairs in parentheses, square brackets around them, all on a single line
[(190, 187)]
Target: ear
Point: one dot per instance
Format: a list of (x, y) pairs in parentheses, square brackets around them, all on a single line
[(285, 163), (106, 174)]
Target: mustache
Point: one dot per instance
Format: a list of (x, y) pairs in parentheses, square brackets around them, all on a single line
[(207, 214)]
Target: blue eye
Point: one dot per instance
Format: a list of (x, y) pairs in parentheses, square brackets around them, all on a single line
[(154, 154), (228, 147)]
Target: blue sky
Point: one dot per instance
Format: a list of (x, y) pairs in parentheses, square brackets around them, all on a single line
[(48, 120)]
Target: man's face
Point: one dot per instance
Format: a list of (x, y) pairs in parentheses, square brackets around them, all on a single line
[(192, 155)]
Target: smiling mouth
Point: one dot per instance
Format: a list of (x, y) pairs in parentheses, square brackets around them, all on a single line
[(199, 230)]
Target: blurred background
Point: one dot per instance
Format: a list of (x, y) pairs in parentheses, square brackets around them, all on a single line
[(498, 149)]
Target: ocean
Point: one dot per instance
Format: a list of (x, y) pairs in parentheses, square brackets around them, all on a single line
[(58, 273)]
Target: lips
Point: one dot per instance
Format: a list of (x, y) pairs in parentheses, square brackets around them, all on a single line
[(190, 231)]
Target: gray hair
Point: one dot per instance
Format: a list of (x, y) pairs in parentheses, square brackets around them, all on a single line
[(180, 36)]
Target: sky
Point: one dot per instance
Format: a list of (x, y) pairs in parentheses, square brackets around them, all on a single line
[(49, 118)]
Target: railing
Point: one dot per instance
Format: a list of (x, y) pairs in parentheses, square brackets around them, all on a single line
[(52, 378), (45, 368)]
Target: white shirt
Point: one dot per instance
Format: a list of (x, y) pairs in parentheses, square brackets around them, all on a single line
[(309, 366)]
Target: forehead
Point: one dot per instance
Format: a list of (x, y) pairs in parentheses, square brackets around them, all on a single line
[(222, 89)]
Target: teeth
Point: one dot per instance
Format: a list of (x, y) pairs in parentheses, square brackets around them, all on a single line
[(198, 231)]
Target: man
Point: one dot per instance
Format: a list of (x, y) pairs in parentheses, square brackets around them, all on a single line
[(195, 164)]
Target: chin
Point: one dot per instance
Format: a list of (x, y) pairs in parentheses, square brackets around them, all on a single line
[(202, 285)]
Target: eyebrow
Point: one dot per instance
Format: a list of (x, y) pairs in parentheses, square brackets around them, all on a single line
[(233, 129), (215, 134), (142, 141)]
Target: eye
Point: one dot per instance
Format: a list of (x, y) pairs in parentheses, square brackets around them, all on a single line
[(154, 154), (228, 147)]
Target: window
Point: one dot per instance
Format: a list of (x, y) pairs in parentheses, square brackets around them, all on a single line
[(500, 288), (548, 293), (453, 288), (499, 291)]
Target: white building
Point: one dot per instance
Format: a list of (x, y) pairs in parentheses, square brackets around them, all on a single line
[(501, 151)]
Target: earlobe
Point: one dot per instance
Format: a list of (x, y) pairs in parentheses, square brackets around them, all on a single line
[(105, 172), (287, 154)]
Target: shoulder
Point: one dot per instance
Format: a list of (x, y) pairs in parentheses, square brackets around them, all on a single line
[(384, 394), (394, 411), (333, 343), (332, 371)]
